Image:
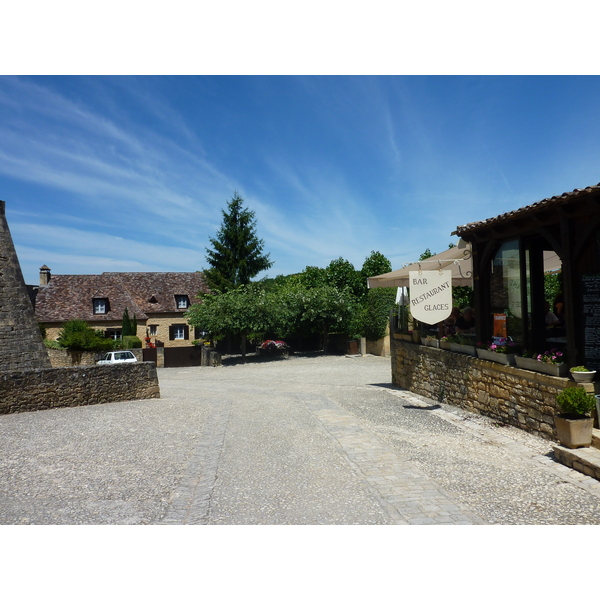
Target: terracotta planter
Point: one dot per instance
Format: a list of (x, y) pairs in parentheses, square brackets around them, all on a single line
[(407, 337), (445, 345), (463, 349), (583, 376), (531, 364), (574, 433), (498, 357)]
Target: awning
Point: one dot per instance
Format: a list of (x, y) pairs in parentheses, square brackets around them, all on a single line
[(457, 259)]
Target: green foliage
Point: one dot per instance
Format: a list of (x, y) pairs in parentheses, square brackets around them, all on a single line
[(427, 254), (237, 255), (131, 341), (246, 310), (129, 326), (375, 312), (462, 296), (51, 344), (375, 264), (552, 287), (580, 369), (575, 401), (78, 335)]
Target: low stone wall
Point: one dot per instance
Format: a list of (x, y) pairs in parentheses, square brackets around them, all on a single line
[(61, 357), (40, 389), (514, 396)]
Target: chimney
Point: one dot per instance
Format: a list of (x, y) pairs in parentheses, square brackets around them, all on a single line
[(44, 276)]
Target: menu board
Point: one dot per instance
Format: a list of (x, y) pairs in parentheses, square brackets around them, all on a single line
[(591, 320)]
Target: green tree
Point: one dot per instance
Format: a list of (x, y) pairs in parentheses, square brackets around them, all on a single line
[(248, 311), (78, 335), (237, 253), (377, 302), (128, 326), (427, 254)]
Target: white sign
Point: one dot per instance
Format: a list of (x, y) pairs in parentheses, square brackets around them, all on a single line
[(430, 295)]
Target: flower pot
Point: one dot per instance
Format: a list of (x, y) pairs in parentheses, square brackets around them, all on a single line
[(407, 337), (445, 345), (583, 376), (574, 433), (498, 357), (463, 349), (532, 364)]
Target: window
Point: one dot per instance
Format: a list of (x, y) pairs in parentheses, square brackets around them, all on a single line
[(114, 334), (179, 332), (505, 289), (182, 301), (100, 306), (153, 329)]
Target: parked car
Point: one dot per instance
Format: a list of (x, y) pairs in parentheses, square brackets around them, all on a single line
[(117, 357)]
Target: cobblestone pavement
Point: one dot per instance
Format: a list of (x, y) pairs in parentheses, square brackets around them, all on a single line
[(308, 440)]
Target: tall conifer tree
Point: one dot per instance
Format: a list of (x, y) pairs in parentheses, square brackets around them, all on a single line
[(237, 253)]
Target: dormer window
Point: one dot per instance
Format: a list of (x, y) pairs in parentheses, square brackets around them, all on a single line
[(100, 306), (182, 301), (153, 300)]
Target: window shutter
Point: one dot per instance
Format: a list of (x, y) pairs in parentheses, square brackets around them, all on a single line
[(171, 332), (186, 332)]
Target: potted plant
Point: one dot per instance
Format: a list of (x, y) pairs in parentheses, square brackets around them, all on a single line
[(500, 350), (462, 344), (552, 362), (432, 341), (574, 425), (582, 375), (445, 342)]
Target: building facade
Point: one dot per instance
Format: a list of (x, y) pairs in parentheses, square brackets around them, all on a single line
[(158, 301)]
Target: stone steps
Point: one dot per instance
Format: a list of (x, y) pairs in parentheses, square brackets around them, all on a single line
[(584, 460)]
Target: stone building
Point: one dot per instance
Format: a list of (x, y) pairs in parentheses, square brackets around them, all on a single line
[(21, 345), (157, 300)]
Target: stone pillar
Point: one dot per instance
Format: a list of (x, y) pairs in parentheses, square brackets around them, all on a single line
[(21, 344), (160, 357)]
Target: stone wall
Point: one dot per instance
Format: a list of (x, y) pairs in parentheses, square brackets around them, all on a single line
[(40, 389), (513, 396), (61, 357), (21, 345)]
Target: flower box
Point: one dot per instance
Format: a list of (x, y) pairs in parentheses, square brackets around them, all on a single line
[(463, 349), (445, 345), (532, 364), (499, 357), (407, 337)]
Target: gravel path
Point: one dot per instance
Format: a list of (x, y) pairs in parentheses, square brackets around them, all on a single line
[(308, 440)]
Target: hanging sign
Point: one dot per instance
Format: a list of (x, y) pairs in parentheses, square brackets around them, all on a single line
[(430, 295)]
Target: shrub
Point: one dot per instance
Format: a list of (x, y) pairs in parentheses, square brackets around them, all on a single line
[(78, 335), (131, 341), (575, 401)]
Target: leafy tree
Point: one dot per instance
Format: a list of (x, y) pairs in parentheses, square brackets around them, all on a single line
[(427, 254), (375, 264), (378, 302), (341, 274), (248, 311), (78, 335), (237, 253)]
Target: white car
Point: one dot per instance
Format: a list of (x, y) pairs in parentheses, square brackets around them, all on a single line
[(117, 357)]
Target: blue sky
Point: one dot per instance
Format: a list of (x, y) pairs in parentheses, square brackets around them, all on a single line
[(130, 173)]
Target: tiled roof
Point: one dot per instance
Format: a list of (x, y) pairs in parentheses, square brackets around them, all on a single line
[(525, 210), (68, 297)]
